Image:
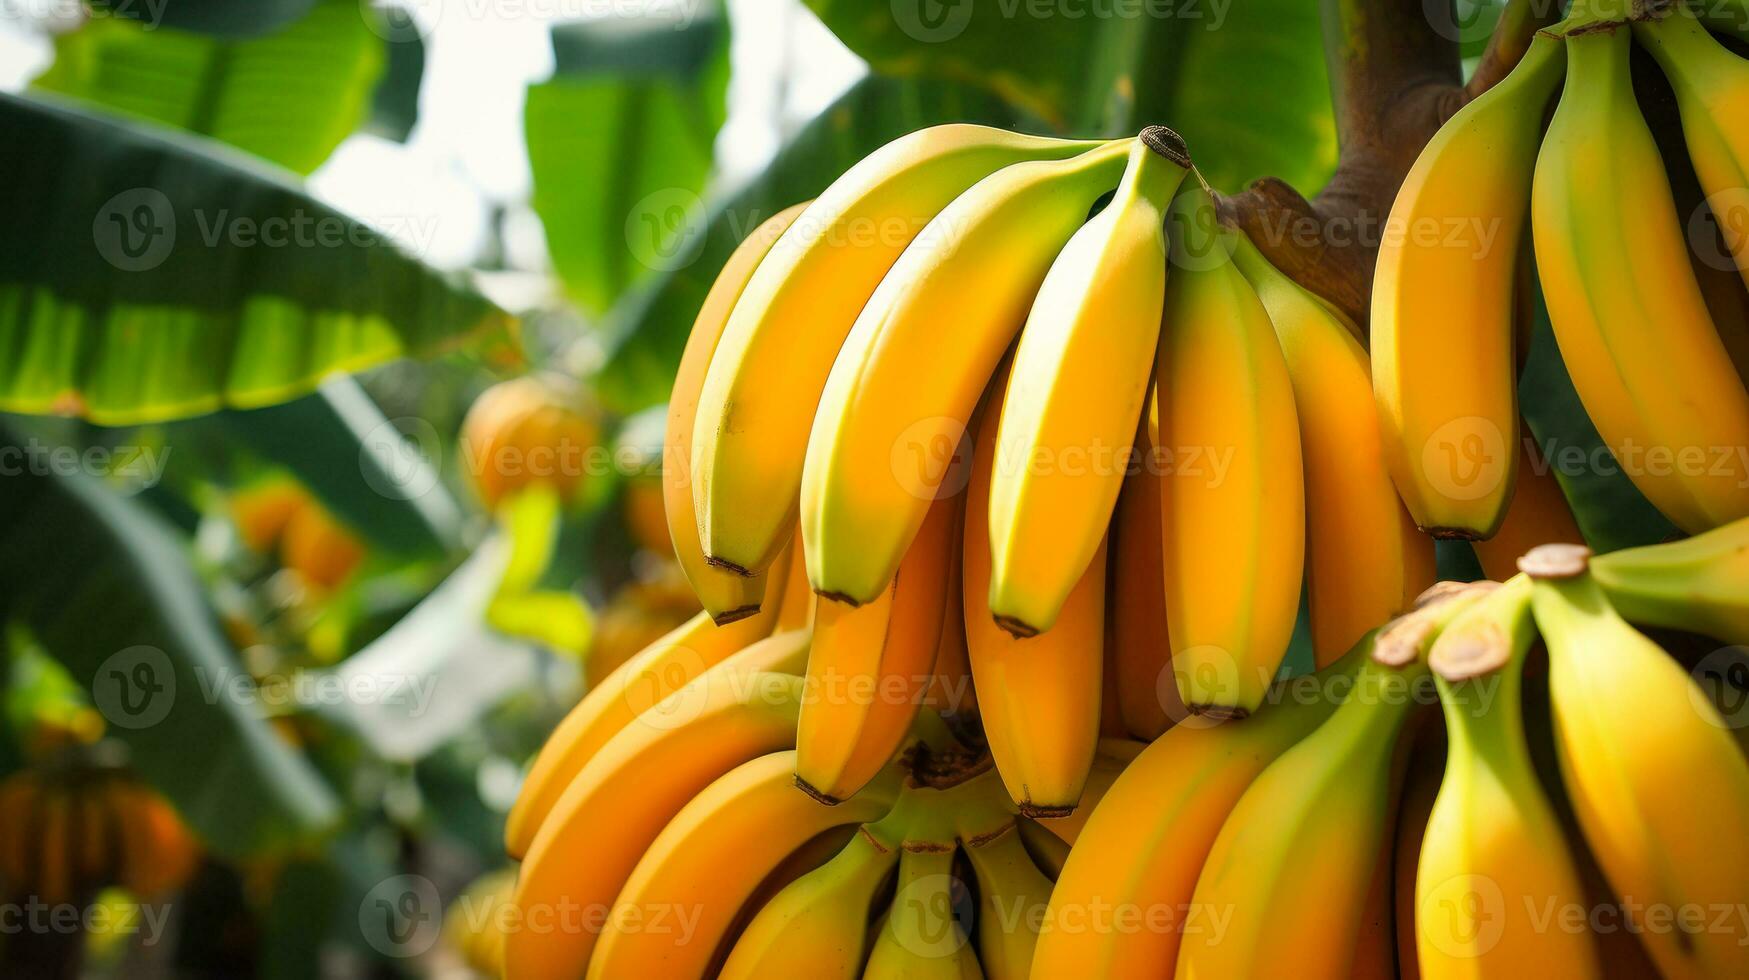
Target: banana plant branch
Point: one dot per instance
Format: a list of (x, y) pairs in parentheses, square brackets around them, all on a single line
[(1395, 78)]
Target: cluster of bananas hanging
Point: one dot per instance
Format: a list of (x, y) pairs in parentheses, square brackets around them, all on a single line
[(1638, 246), (67, 833), (1267, 847)]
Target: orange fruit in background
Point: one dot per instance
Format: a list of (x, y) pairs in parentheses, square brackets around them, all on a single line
[(526, 431), (67, 835), (262, 510), (639, 614), (645, 516), (319, 549)]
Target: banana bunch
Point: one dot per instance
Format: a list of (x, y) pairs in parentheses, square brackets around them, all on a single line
[(68, 832), (1653, 338)]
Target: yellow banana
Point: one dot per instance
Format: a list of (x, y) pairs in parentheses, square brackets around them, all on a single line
[(1494, 861), (1699, 584), (1112, 758), (1077, 387), (1631, 321), (924, 935), (710, 860), (1366, 561), (818, 926), (1038, 697), (1294, 862), (903, 388), (1654, 774), (871, 666), (1145, 690), (1233, 509), (619, 801), (725, 595), (636, 685), (1537, 515), (1012, 894), (951, 690), (1712, 94), (1443, 367), (1122, 902), (789, 323)]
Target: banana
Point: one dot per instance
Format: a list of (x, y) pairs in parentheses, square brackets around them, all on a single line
[(1048, 850), (1012, 891), (1121, 904), (871, 666), (1730, 17), (1699, 584), (641, 682), (1656, 779), (1493, 857), (1366, 561), (1630, 319), (785, 331), (924, 934), (818, 926), (1425, 770), (1113, 756), (709, 860), (725, 595), (1233, 504), (903, 388), (1443, 305), (950, 692), (1712, 95), (1537, 515), (1294, 862), (1142, 685), (621, 799), (1077, 387), (1039, 698)]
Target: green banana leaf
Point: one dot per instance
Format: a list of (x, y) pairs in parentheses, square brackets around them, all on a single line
[(220, 18), (109, 592), (289, 97), (650, 329), (148, 275), (620, 145), (1244, 82), (359, 465)]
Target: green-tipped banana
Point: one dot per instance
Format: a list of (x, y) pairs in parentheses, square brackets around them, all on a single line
[(919, 357), (1699, 584), (1294, 863), (1077, 387), (1012, 892), (1493, 854), (1657, 781)]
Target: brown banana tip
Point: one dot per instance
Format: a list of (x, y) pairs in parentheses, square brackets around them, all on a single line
[(803, 785), (735, 615), (1459, 658), (1451, 533), (838, 597), (1016, 627), (1399, 644), (1166, 143), (727, 566), (979, 840), (1035, 812), (1555, 561), (927, 846), (1218, 712)]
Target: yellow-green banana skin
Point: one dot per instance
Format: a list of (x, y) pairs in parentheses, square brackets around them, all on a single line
[(1076, 389), (1294, 862), (766, 375), (1632, 324), (817, 927), (904, 385), (1656, 778), (1444, 374), (1698, 584)]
